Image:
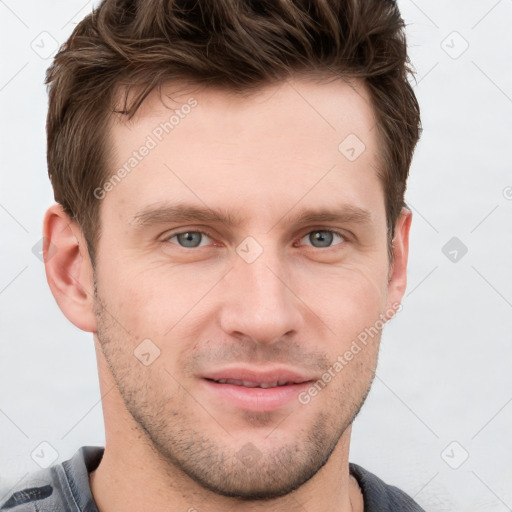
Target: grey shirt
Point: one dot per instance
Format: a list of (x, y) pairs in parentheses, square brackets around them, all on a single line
[(65, 487)]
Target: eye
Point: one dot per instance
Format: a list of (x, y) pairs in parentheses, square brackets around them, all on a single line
[(319, 238), (189, 239), (323, 238)]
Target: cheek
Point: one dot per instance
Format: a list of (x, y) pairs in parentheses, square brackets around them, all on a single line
[(347, 299), (156, 301)]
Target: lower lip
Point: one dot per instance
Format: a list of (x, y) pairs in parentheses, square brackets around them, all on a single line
[(256, 399)]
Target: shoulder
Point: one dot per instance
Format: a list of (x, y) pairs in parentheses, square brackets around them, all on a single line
[(61, 487), (379, 496)]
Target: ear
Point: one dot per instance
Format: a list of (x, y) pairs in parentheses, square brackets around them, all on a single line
[(68, 268), (398, 271)]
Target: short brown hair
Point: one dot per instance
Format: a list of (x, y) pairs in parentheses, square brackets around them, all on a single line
[(239, 45)]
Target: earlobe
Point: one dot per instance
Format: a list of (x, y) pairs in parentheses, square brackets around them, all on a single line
[(68, 268), (400, 248)]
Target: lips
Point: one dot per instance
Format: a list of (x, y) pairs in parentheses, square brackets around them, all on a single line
[(252, 378), (251, 384), (255, 390)]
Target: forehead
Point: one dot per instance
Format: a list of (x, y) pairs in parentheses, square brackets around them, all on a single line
[(331, 107), (298, 140)]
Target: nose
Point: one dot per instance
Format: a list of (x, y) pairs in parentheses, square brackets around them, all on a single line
[(259, 300)]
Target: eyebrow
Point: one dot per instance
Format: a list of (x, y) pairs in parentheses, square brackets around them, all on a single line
[(167, 213)]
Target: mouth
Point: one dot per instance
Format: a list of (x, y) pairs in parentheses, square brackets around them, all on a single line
[(255, 391), (252, 384)]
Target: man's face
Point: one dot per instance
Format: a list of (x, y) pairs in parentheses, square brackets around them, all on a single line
[(260, 296)]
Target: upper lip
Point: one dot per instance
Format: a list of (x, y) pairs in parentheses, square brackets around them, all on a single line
[(259, 376)]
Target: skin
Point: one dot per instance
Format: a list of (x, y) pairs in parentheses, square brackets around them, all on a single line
[(170, 443)]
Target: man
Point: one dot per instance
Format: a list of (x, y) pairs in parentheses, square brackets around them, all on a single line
[(230, 225)]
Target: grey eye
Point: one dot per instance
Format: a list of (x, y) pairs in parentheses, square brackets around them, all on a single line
[(322, 238), (189, 238)]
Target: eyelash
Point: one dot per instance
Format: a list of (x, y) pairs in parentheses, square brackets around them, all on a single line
[(208, 234)]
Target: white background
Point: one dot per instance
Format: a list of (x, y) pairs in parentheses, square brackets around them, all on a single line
[(444, 372)]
